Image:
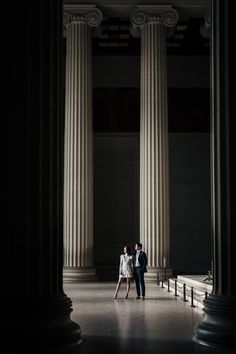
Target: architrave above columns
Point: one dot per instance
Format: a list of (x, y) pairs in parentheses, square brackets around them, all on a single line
[(186, 8)]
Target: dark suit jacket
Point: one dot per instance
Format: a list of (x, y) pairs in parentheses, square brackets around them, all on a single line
[(142, 260)]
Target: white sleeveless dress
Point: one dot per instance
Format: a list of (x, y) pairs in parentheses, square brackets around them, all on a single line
[(126, 266)]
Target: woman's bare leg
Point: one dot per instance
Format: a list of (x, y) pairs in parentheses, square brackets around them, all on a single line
[(117, 289), (127, 288)]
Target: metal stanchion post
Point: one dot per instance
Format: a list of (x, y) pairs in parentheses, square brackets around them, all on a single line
[(184, 293), (169, 286), (158, 279), (192, 304), (164, 266), (176, 288), (206, 294)]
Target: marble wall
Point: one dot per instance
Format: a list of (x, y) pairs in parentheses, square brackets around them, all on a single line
[(116, 199)]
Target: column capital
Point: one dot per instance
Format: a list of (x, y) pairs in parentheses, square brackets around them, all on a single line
[(162, 14), (88, 14)]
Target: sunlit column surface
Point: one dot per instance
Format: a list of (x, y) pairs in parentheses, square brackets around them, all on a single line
[(78, 157), (153, 22)]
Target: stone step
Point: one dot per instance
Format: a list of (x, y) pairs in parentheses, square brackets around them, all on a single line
[(197, 281), (196, 288)]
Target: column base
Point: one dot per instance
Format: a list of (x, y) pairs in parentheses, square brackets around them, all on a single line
[(155, 274), (39, 325), (218, 327), (79, 274)]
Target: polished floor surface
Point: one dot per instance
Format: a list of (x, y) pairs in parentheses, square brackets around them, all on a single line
[(161, 324)]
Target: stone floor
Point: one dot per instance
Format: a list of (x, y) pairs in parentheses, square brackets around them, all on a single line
[(161, 324)]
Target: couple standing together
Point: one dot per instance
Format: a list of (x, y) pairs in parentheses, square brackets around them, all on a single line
[(133, 266)]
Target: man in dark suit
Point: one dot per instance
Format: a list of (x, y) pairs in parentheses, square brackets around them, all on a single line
[(140, 267)]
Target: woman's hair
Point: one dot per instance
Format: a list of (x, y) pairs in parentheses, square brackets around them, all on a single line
[(128, 249)]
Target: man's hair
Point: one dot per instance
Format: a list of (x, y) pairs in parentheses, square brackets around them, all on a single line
[(139, 245)]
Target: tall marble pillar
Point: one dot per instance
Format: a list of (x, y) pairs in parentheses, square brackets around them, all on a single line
[(218, 327), (78, 157), (35, 311), (153, 23)]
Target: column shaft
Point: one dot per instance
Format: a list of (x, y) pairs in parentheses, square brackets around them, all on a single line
[(154, 174), (218, 327), (152, 22), (35, 311), (78, 188), (78, 154)]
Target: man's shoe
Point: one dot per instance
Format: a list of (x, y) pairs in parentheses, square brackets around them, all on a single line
[(138, 297), (143, 298)]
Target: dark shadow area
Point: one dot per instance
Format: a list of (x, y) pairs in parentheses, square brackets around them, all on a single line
[(117, 109), (139, 346), (134, 345)]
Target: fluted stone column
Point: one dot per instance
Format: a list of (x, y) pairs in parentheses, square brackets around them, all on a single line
[(153, 22), (218, 327), (35, 311), (78, 161)]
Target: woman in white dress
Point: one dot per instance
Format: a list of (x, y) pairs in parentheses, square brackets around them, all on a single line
[(125, 270)]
